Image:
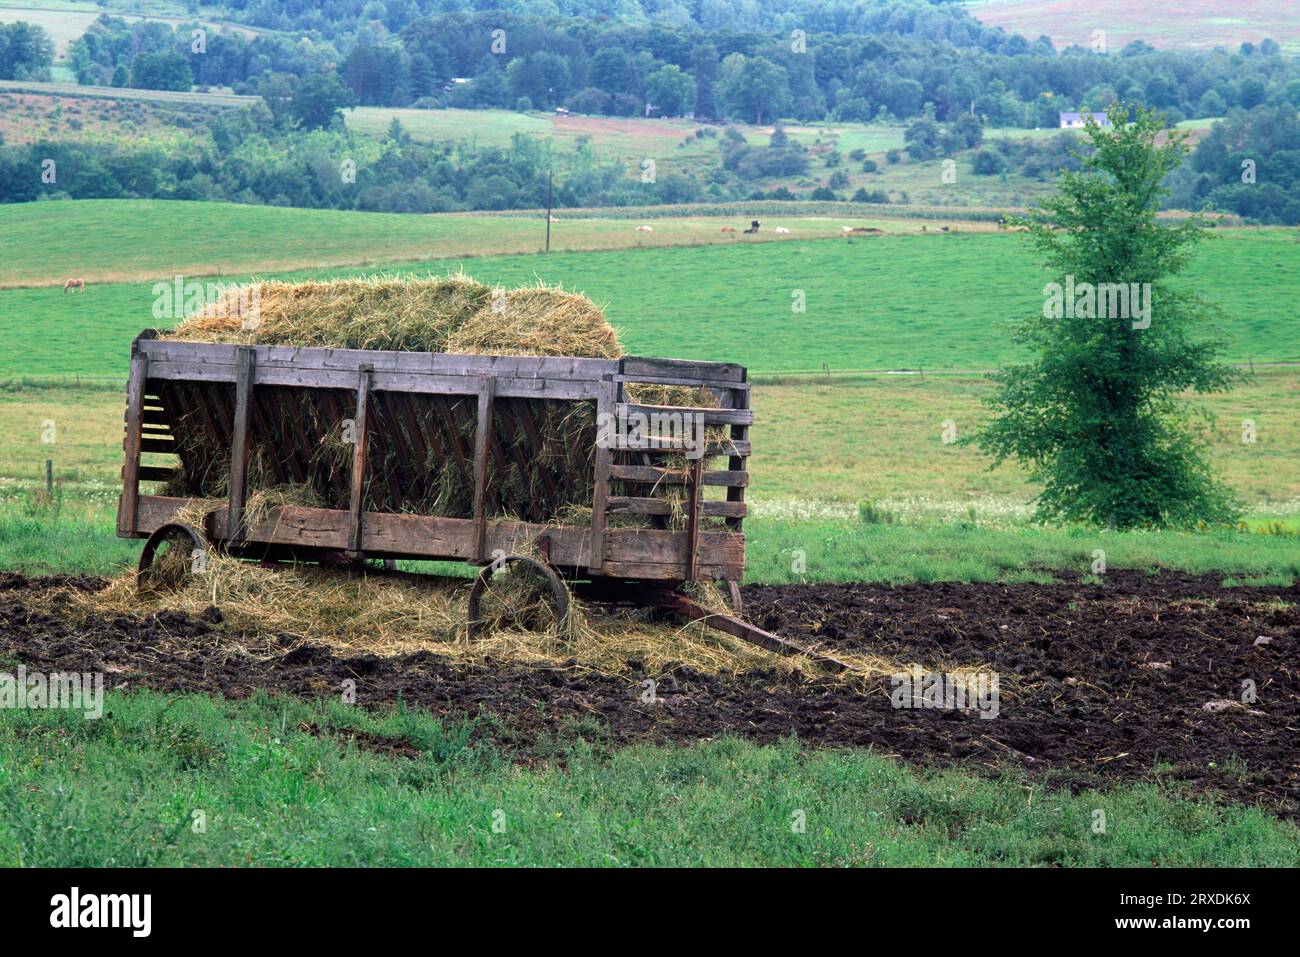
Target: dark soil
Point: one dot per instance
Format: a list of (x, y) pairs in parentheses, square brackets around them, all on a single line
[(1098, 683)]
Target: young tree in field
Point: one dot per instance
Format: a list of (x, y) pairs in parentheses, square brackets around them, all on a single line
[(1098, 414)]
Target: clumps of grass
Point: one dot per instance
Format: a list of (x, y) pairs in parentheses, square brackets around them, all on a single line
[(871, 513)]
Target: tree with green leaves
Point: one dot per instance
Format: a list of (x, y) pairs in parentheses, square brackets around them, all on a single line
[(1098, 414), (317, 101)]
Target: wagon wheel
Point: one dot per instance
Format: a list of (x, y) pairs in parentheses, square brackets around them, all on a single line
[(170, 556), (518, 604), (733, 597)]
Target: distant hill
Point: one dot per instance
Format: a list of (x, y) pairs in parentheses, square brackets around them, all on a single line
[(1164, 24)]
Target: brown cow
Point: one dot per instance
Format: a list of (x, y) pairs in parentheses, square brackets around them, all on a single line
[(75, 284)]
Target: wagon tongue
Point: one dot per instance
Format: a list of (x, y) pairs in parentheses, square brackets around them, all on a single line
[(681, 604)]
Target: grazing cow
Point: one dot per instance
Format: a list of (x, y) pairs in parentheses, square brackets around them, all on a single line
[(75, 284), (925, 229), (753, 226), (862, 231), (943, 229), (555, 219), (645, 229), (728, 229), (1002, 222), (781, 230)]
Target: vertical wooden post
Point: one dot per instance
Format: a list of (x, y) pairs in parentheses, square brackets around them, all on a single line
[(360, 456), (127, 504), (482, 441), (695, 503), (49, 480), (606, 410), (240, 442), (739, 433)]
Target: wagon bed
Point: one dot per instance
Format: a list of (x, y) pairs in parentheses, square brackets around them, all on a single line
[(419, 415), (405, 407)]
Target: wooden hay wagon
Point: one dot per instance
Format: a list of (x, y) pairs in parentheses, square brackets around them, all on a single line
[(445, 457)]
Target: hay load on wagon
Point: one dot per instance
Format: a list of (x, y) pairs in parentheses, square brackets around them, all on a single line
[(334, 422), (549, 445)]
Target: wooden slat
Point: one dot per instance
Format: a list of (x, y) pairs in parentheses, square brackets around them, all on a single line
[(725, 447), (360, 453), (482, 443), (163, 446), (604, 459), (634, 367), (714, 384), (739, 433), (274, 358), (240, 443), (653, 475), (694, 501), (632, 505), (708, 416), (128, 504), (156, 473)]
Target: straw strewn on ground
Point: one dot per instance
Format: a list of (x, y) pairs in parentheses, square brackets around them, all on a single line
[(386, 615)]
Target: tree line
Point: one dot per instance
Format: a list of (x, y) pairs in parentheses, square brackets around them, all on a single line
[(909, 57)]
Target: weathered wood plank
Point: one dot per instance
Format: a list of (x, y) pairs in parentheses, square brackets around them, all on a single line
[(695, 497), (482, 443), (129, 502), (273, 358), (658, 506), (739, 433), (240, 443), (360, 454), (156, 473), (728, 447), (653, 475), (604, 458), (163, 446), (636, 366), (708, 416)]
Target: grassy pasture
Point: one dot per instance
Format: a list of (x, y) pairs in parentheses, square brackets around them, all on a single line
[(127, 240), (274, 795), (907, 301)]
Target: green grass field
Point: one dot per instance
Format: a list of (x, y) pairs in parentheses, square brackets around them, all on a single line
[(124, 791), (902, 301), (109, 241)]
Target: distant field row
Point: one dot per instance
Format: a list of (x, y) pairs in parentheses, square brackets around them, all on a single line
[(127, 240)]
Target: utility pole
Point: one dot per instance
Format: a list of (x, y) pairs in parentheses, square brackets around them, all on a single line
[(550, 174)]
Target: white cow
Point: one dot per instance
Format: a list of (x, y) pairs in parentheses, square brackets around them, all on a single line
[(645, 229)]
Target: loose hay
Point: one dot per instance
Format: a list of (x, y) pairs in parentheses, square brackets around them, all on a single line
[(379, 614), (432, 314)]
